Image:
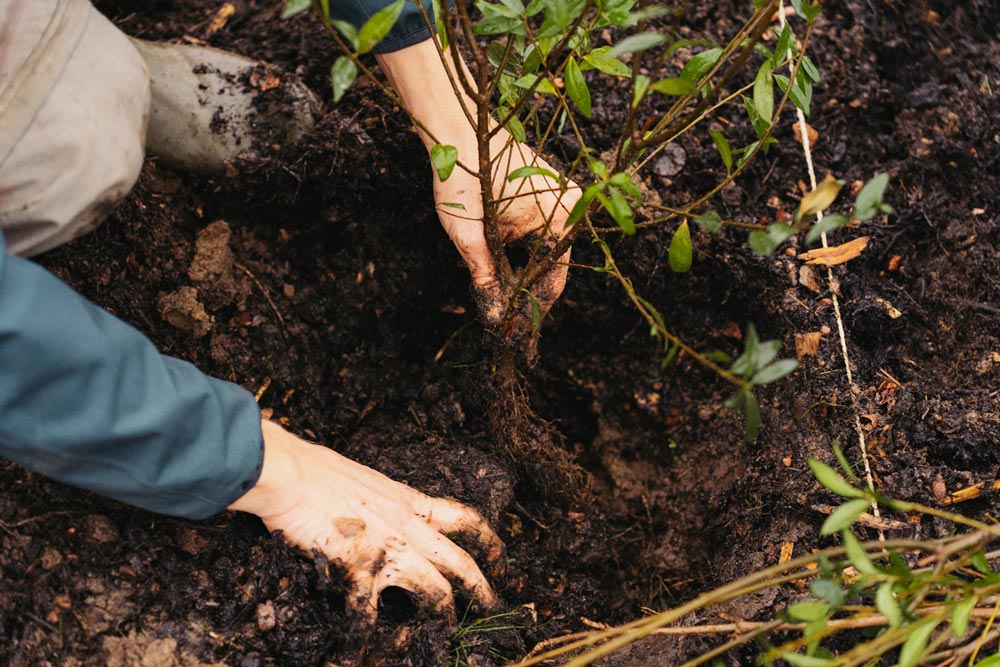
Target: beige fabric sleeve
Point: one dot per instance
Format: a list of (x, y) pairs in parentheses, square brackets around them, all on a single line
[(74, 102)]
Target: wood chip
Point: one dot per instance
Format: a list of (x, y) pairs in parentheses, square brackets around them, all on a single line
[(970, 493), (810, 131), (786, 552), (837, 254), (220, 19)]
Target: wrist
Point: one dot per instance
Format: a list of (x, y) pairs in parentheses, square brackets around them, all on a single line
[(278, 485)]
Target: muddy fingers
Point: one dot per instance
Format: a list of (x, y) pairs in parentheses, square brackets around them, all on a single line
[(452, 518), (417, 576)]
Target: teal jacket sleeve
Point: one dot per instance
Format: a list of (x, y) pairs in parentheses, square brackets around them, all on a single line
[(410, 27), (87, 400)]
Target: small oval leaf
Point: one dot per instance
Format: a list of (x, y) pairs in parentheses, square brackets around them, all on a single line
[(680, 254), (829, 478), (342, 75), (844, 516), (885, 602), (444, 158)]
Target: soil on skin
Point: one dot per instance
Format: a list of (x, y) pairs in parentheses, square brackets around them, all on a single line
[(330, 290)]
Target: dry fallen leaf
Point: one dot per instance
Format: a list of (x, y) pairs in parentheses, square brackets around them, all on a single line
[(786, 552), (820, 198), (837, 254), (807, 344), (807, 277)]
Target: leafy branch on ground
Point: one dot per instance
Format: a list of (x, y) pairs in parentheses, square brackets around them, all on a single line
[(914, 602)]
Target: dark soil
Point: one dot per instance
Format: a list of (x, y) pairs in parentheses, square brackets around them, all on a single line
[(345, 306)]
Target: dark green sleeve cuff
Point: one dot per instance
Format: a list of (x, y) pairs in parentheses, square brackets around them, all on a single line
[(87, 400), (410, 27)]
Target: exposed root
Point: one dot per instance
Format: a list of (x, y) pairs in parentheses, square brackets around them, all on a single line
[(534, 445)]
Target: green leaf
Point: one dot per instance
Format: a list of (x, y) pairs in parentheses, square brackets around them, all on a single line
[(293, 7), (709, 221), (516, 129), (528, 80), (885, 602), (700, 64), (676, 86), (824, 589), (576, 87), (451, 204), (810, 69), (442, 32), (525, 172), (856, 554), (799, 660), (602, 60), (764, 243), (800, 94), (842, 460), (725, 151), (806, 9), (775, 371), (960, 615), (581, 205), (378, 26), (869, 200), (444, 158), (618, 208), (669, 356), (639, 92), (916, 642), (763, 92), (980, 563), (781, 48), (500, 25), (829, 478), (348, 31), (827, 224), (992, 661), (342, 75), (515, 6), (624, 181), (844, 516), (636, 43), (808, 611), (680, 253)]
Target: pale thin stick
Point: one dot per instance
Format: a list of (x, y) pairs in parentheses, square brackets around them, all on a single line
[(834, 287)]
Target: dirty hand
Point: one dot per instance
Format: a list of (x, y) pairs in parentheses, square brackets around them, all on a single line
[(531, 208), (381, 532)]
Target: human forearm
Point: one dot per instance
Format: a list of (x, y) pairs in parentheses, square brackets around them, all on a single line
[(87, 399)]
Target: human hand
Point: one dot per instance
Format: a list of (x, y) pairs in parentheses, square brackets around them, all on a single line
[(381, 532), (530, 209)]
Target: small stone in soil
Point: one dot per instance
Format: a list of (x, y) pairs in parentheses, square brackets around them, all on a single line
[(671, 161), (265, 616)]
